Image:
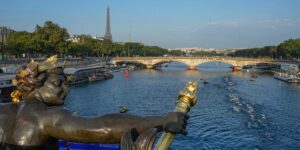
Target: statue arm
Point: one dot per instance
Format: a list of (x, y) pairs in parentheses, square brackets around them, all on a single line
[(105, 129)]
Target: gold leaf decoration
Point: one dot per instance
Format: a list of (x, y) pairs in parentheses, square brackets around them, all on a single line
[(49, 63)]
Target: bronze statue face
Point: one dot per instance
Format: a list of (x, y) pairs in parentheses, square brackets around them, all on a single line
[(54, 90)]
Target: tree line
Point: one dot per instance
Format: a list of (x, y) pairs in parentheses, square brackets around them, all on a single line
[(52, 39), (289, 49)]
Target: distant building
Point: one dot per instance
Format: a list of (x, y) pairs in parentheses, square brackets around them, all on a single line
[(4, 32), (197, 49), (74, 39), (98, 38)]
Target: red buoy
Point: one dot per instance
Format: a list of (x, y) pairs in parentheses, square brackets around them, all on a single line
[(234, 68), (126, 73)]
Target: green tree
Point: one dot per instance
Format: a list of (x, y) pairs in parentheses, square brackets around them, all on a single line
[(77, 49), (176, 53), (118, 49), (51, 38), (19, 43), (289, 49), (107, 47)]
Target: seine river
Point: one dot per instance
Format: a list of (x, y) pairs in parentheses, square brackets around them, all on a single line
[(251, 115)]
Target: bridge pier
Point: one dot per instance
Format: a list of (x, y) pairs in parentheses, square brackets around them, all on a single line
[(149, 66), (236, 68), (191, 68)]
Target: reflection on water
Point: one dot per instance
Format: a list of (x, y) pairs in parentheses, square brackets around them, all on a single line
[(232, 113)]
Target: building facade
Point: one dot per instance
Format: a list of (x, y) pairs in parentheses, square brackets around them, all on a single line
[(4, 32)]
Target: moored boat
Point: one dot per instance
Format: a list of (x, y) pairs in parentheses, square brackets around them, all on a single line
[(6, 87), (87, 74), (288, 73), (287, 77)]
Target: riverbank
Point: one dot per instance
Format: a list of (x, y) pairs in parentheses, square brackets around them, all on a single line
[(69, 62)]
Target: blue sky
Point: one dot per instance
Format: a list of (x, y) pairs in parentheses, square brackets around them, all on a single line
[(166, 23)]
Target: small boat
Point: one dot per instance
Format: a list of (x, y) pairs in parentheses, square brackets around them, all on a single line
[(254, 76), (123, 109), (205, 82)]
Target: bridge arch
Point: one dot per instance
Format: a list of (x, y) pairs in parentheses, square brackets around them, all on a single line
[(162, 62), (218, 66), (123, 61), (217, 61)]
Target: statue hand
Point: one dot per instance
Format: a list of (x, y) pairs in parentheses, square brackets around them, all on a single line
[(176, 123)]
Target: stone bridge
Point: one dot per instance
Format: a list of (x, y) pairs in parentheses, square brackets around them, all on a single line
[(192, 62)]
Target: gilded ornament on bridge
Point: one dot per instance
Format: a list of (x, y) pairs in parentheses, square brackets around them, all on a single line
[(26, 75)]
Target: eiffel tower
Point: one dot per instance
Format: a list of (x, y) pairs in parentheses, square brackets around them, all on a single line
[(107, 35)]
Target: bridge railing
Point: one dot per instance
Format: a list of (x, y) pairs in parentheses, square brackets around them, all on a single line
[(202, 57)]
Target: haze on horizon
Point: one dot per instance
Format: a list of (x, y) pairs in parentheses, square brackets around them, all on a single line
[(166, 23)]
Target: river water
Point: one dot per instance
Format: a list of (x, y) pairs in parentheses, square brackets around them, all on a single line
[(235, 113)]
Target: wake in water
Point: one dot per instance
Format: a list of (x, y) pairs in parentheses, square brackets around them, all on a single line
[(257, 119)]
